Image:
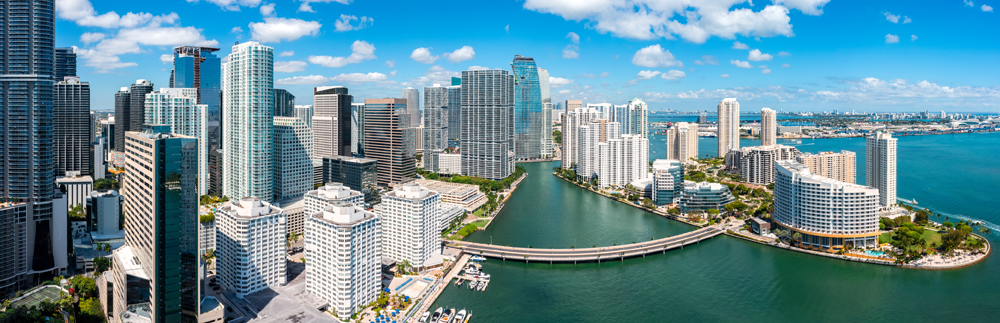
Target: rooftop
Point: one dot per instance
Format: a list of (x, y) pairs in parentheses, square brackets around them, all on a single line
[(249, 207), (802, 171), (446, 188), (130, 264), (343, 213)]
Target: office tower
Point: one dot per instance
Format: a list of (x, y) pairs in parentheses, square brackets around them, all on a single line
[(65, 63), (573, 104), (137, 104), (768, 127), (359, 174), (829, 214), (410, 232), (880, 166), (756, 164), (71, 126), (199, 68), (108, 131), (178, 109), (682, 142), (347, 241), (702, 119), (122, 108), (358, 129), (435, 126), (104, 212), (332, 121), (304, 112), (248, 122), (487, 124), (284, 103), (543, 84), (412, 97), (456, 81), (528, 117), (705, 196), (389, 139), (668, 181), (293, 146), (97, 158), (729, 126), (27, 31), (319, 199), (455, 111), (161, 227), (571, 123), (251, 241), (837, 166), (215, 168)]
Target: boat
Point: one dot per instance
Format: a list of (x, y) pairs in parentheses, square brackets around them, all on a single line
[(484, 276), (436, 317), (446, 316), (473, 284), (423, 318), (478, 258), (473, 269), (460, 281), (460, 317), (482, 286)]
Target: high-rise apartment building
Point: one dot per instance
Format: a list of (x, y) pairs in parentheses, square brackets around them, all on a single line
[(571, 123), (455, 111), (412, 97), (332, 121), (345, 243), (768, 127), (71, 131), (293, 148), (199, 68), (682, 142), (487, 123), (248, 121), (837, 166), (178, 108), (304, 112), (251, 237), (635, 119), (284, 103), (389, 139), (215, 172), (614, 159), (573, 105), (410, 216), (756, 164), (668, 181), (161, 228), (435, 126), (880, 166), (528, 117), (728, 126), (319, 199), (65, 63), (547, 115), (120, 123), (358, 129)]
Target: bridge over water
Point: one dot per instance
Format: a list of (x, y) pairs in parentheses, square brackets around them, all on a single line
[(588, 254)]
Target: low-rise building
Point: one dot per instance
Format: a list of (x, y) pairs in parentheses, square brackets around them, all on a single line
[(344, 248), (77, 188), (468, 195), (705, 196), (251, 246), (668, 181), (760, 227), (449, 212)]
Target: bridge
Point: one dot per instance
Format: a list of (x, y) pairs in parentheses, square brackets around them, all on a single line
[(621, 252)]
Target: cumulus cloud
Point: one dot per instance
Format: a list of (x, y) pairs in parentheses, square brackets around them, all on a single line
[(310, 79), (360, 51), (907, 20), (913, 37), (673, 75), (507, 28), (390, 63), (287, 53), (104, 56), (587, 75), (765, 71), (267, 9), (987, 8), (739, 63), (236, 30), (462, 54), (359, 77), (891, 39), (573, 37), (605, 74), (88, 38), (756, 55), (739, 45), (345, 23), (433, 75), (707, 60), (306, 4), (570, 52), (762, 66), (565, 91), (289, 67), (645, 75), (694, 21), (232, 5), (558, 82), (784, 54), (423, 55), (166, 58), (274, 29), (786, 65), (655, 56), (83, 14), (891, 17), (724, 76), (968, 3)]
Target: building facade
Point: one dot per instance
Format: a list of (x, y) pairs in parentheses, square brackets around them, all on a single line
[(319, 199), (547, 114), (410, 215), (614, 159), (72, 131), (705, 196), (449, 163), (284, 103), (729, 126), (768, 127), (682, 142), (668, 181), (412, 97), (756, 164), (837, 166), (248, 122), (455, 111), (359, 174), (65, 63), (487, 124), (880, 166), (332, 121), (199, 68), (178, 108), (389, 139), (435, 126), (343, 242), (573, 105), (293, 168), (528, 119), (358, 129), (571, 122), (251, 246), (305, 112)]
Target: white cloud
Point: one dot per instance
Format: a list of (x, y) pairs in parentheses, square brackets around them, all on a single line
[(740, 63), (565, 91), (913, 37), (233, 5), (587, 75), (287, 53), (784, 54), (507, 28), (707, 60), (968, 3), (987, 8), (344, 23), (762, 66), (267, 10), (311, 79), (645, 75), (360, 51), (236, 30), (570, 52), (88, 38), (573, 37), (289, 67), (557, 82), (359, 77), (306, 7), (393, 73), (907, 20), (390, 64), (434, 75), (765, 71), (890, 39), (786, 65), (103, 56), (605, 74), (755, 55), (891, 17), (739, 45), (724, 76), (673, 75), (478, 68), (274, 29), (694, 21), (423, 55), (166, 58), (82, 12), (655, 56), (462, 54)]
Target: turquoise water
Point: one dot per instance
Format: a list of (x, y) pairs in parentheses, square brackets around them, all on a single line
[(725, 279)]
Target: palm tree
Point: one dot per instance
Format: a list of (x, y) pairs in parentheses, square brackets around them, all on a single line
[(107, 248)]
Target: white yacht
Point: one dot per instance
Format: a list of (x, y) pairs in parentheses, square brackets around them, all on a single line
[(460, 317), (423, 318)]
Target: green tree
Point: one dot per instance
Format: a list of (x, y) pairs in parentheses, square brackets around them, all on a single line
[(647, 203), (84, 286), (101, 264), (674, 211), (207, 218), (557, 136), (76, 213), (90, 311), (106, 184), (797, 236)]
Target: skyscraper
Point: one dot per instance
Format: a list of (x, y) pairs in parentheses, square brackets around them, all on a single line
[(348, 241), (251, 242), (161, 227), (573, 104), (198, 67), (435, 125), (768, 127), (358, 129), (389, 139), (304, 112), (65, 63), (543, 84), (528, 117), (332, 121), (668, 181), (838, 166), (455, 111), (682, 141), (729, 126), (178, 109), (635, 117), (409, 217), (71, 126), (284, 103), (130, 110), (487, 123), (571, 123), (293, 148), (880, 166), (412, 97), (123, 105), (248, 121)]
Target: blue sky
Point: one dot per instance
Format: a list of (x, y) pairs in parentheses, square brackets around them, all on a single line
[(797, 55)]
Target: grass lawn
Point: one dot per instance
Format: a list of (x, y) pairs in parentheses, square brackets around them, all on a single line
[(932, 236), (481, 212), (886, 237), (479, 223)]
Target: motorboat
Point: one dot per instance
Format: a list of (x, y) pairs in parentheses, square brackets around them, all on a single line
[(460, 281), (478, 258), (446, 316), (484, 276), (436, 317), (423, 318), (460, 317), (472, 285), (473, 269)]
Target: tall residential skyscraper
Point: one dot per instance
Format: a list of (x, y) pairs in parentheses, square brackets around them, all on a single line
[(293, 148), (71, 126), (161, 227), (284, 103), (332, 121), (409, 217), (455, 111), (573, 104), (487, 123), (248, 121), (178, 109), (528, 117), (543, 84), (65, 63), (636, 118), (389, 139), (412, 97), (198, 67), (571, 123), (123, 105), (436, 111), (682, 141), (880, 166), (839, 166), (358, 129), (251, 245), (729, 126), (768, 127), (304, 112), (614, 159)]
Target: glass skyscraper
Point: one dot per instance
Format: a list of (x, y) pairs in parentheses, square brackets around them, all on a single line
[(198, 67), (487, 123), (528, 118), (455, 111)]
